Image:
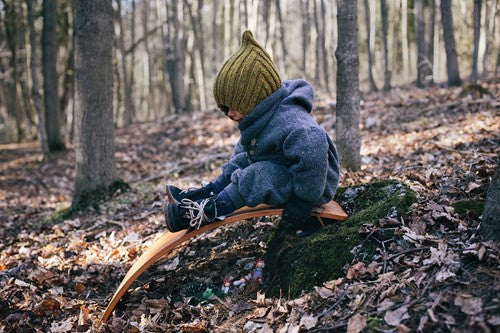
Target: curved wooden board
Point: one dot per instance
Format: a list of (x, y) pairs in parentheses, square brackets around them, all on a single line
[(168, 241)]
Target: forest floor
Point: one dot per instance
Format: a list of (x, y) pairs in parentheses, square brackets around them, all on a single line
[(59, 276)]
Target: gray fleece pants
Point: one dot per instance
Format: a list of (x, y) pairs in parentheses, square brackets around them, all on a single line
[(260, 182)]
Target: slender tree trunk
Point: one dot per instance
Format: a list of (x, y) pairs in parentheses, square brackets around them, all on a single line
[(127, 88), (449, 43), (348, 98), (424, 74), (305, 36), (373, 86), (477, 30), (387, 72), (317, 48), (131, 68), (13, 107), (68, 81), (215, 39), (429, 41), (49, 58), (35, 85), (490, 228), (284, 49), (326, 71), (489, 38), (149, 58), (175, 58), (94, 141), (404, 39)]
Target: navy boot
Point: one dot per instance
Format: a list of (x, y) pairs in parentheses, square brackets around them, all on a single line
[(175, 194)]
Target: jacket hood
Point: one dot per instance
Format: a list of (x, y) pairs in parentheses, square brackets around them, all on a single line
[(291, 94)]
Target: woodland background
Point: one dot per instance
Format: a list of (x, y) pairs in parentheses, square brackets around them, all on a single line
[(122, 90)]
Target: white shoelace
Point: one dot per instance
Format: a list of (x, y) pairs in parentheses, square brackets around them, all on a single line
[(196, 212), (203, 184)]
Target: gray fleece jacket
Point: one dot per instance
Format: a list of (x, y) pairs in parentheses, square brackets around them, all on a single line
[(281, 130)]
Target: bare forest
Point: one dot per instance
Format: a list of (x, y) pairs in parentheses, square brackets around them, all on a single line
[(103, 103)]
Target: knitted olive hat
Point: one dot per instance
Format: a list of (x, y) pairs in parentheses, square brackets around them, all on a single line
[(247, 77)]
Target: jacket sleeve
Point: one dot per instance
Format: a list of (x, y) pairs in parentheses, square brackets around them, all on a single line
[(238, 160), (306, 151)]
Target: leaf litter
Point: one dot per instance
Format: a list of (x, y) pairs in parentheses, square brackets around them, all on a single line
[(434, 274)]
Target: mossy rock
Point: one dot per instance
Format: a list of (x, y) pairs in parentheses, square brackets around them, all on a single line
[(295, 265), (475, 90), (471, 208)]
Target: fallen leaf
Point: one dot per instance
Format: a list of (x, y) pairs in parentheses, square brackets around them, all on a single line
[(394, 318), (355, 270), (172, 265), (444, 274), (468, 304), (308, 322), (356, 323), (332, 284), (324, 292), (61, 326)]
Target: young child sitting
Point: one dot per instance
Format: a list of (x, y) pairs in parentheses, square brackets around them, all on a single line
[(283, 158)]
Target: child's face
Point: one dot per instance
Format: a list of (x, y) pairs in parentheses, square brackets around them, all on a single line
[(234, 115)]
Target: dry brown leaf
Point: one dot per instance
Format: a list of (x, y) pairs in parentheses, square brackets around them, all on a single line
[(356, 323), (469, 304), (355, 270), (394, 318)]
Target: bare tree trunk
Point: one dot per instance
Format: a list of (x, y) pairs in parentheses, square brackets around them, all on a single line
[(13, 105), (35, 85), (175, 58), (317, 50), (149, 58), (404, 39), (49, 58), (348, 98), (424, 74), (214, 38), (199, 72), (132, 62), (68, 81), (326, 71), (449, 43), (490, 228), (305, 36), (387, 72), (477, 30), (429, 41), (373, 86), (489, 36), (127, 88), (284, 49), (94, 141)]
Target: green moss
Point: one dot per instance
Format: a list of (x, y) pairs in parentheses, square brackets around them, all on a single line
[(94, 197), (58, 216), (475, 90), (298, 264), (373, 324), (466, 207)]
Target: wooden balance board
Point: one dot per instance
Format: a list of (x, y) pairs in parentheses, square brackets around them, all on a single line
[(169, 241)]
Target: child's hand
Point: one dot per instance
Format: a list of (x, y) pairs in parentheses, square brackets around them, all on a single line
[(296, 213)]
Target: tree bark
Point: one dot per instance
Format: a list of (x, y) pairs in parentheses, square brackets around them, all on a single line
[(489, 36), (348, 98), (429, 42), (175, 58), (404, 39), (387, 72), (284, 52), (305, 36), (35, 84), (477, 30), (127, 87), (49, 58), (13, 105), (94, 141), (490, 228), (373, 86), (317, 48), (149, 58), (322, 38), (449, 43), (424, 74), (68, 81)]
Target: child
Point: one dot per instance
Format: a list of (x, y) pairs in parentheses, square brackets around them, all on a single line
[(283, 158)]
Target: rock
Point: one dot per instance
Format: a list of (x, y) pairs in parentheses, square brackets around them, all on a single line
[(298, 264)]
